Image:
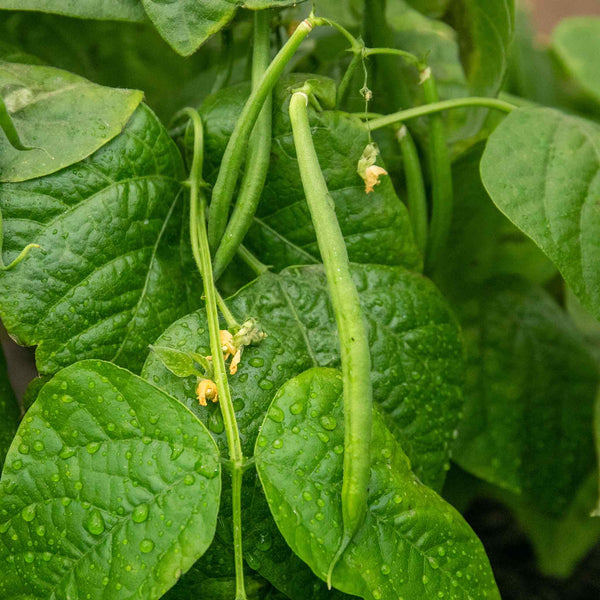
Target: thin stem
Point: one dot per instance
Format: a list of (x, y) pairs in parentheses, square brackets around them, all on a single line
[(441, 177), (410, 58), (201, 252), (355, 354), (227, 314), (347, 79), (257, 162), (429, 109), (236, 147), (256, 265), (415, 187)]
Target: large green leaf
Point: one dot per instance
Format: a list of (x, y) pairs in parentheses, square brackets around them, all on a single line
[(530, 391), (542, 170), (9, 411), (417, 369), (186, 24), (65, 117), (110, 490), (123, 10), (375, 226), (113, 268), (576, 41), (412, 544)]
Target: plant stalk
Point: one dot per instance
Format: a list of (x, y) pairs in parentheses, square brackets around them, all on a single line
[(201, 252), (354, 345)]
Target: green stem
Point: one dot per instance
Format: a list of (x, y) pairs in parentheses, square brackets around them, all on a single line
[(356, 359), (257, 162), (415, 187), (429, 109), (347, 79), (21, 255), (441, 177), (231, 321), (258, 267), (236, 147), (201, 252)]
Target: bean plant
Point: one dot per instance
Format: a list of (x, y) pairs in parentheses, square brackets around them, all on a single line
[(330, 275)]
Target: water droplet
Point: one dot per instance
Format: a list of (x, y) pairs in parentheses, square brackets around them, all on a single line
[(40, 530), (16, 464), (67, 452), (93, 447), (207, 467), (296, 408), (176, 452), (46, 556), (385, 570), (319, 516), (338, 449), (257, 361), (95, 523), (323, 437), (277, 443), (153, 419), (265, 384), (276, 414), (397, 499), (24, 449), (67, 399), (328, 422), (146, 546), (29, 557), (189, 479), (307, 496), (28, 513), (38, 446), (140, 513)]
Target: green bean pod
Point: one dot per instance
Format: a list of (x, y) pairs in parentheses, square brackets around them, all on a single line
[(352, 331)]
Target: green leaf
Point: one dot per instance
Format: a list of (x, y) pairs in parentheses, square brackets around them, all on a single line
[(541, 169), (375, 226), (9, 411), (576, 42), (482, 241), (412, 543), (114, 268), (111, 489), (530, 392), (121, 10), (182, 364), (187, 24), (63, 116)]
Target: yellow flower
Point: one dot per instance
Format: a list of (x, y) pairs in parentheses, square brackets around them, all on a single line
[(372, 175), (206, 390)]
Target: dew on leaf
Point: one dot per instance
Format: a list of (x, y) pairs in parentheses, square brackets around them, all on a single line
[(95, 523)]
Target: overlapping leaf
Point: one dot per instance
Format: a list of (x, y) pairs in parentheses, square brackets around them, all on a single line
[(113, 268), (111, 489), (412, 544), (542, 170), (63, 117), (530, 392), (375, 226)]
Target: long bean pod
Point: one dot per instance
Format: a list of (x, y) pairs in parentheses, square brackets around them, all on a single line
[(257, 161), (354, 345)]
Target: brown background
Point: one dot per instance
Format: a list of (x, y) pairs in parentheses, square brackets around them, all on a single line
[(549, 12)]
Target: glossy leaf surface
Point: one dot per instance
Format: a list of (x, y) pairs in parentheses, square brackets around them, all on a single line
[(541, 169), (375, 226), (531, 386), (65, 117), (412, 543), (111, 490), (113, 268)]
